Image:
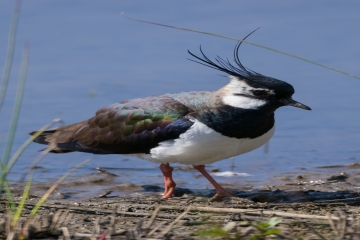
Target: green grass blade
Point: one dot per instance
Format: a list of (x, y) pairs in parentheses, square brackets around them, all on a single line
[(10, 196), (6, 170), (10, 53), (248, 42), (17, 107), (23, 200), (34, 163), (54, 186), (27, 143)]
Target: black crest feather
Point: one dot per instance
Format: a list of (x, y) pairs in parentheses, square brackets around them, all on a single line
[(225, 65)]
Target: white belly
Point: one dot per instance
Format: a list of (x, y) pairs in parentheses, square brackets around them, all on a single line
[(202, 145)]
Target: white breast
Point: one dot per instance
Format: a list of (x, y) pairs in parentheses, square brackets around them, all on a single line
[(202, 145)]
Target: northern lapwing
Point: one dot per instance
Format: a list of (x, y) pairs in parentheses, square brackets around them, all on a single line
[(194, 128)]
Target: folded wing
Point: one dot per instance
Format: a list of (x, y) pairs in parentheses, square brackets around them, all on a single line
[(133, 126)]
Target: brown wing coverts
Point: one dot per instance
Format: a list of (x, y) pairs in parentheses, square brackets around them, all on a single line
[(127, 127)]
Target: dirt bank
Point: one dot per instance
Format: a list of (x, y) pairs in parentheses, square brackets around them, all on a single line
[(305, 214)]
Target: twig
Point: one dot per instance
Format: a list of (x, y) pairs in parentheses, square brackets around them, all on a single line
[(168, 228), (37, 222), (313, 230), (136, 232), (62, 218), (55, 219), (11, 236), (65, 233), (68, 218), (88, 235), (151, 220), (111, 229), (255, 211), (332, 225), (155, 229), (343, 225), (201, 209), (97, 225)]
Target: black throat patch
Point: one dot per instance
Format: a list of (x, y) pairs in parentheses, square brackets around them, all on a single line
[(236, 122)]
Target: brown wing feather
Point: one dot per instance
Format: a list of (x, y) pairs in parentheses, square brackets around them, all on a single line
[(133, 126)]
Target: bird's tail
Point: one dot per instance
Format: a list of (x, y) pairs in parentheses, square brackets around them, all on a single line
[(42, 138), (59, 140)]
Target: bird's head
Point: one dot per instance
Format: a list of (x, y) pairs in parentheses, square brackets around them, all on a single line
[(248, 89), (266, 91)]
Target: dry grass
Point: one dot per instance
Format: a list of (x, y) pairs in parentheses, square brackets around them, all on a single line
[(177, 219)]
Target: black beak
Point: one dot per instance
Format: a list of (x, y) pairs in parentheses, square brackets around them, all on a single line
[(291, 102)]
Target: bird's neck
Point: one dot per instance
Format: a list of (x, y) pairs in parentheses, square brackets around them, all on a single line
[(237, 122)]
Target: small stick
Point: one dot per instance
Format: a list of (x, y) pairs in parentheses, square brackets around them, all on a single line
[(68, 218), (168, 228), (111, 230), (55, 219), (256, 211), (313, 230), (88, 235), (36, 222), (155, 229), (11, 236), (343, 225), (332, 225), (97, 225), (137, 230), (151, 220), (62, 219), (65, 233)]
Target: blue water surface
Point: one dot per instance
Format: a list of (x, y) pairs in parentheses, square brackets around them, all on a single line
[(84, 55)]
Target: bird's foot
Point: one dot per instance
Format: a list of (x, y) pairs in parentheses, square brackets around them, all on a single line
[(169, 190), (221, 193), (221, 196), (169, 182)]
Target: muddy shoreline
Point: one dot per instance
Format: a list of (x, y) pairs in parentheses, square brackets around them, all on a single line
[(310, 205), (305, 214)]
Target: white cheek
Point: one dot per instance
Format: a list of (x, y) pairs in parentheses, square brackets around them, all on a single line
[(243, 102)]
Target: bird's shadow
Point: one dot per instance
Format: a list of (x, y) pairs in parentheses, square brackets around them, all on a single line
[(269, 196)]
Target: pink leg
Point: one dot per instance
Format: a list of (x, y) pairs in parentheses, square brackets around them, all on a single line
[(169, 182), (220, 191)]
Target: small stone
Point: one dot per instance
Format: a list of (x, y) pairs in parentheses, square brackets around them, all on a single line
[(104, 195), (341, 177)]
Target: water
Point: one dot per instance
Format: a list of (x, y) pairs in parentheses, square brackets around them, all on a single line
[(84, 56)]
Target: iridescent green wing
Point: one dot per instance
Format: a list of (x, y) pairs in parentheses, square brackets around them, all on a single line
[(133, 126)]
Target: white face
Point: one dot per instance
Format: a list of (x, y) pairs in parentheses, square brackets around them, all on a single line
[(237, 92)]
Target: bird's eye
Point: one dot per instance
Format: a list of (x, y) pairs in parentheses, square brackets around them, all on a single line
[(260, 93)]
